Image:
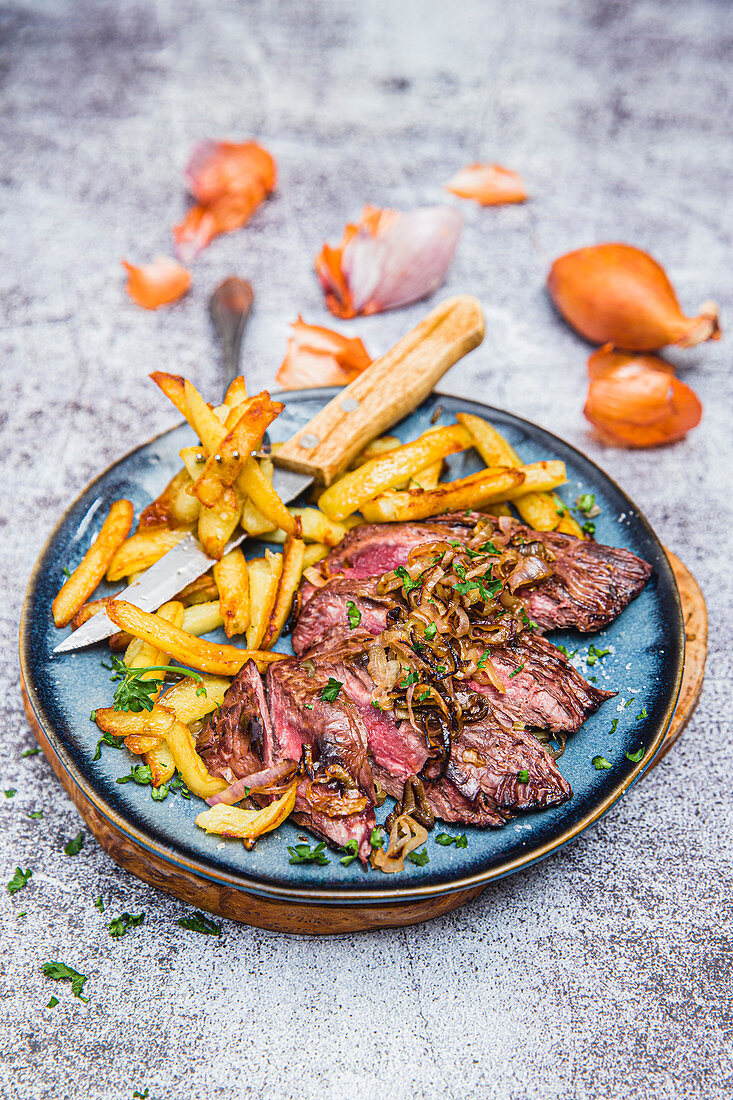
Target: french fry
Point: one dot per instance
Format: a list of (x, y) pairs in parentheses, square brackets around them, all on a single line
[(139, 744), (203, 419), (161, 763), (379, 474), (234, 821), (166, 510), (375, 449), (140, 654), (221, 660), (173, 386), (202, 618), (315, 526), (252, 521), (542, 511), (142, 550), (89, 610), (427, 478), (217, 524), (194, 459), (264, 577), (291, 571), (317, 551), (232, 580), (202, 590), (77, 589), (474, 491), (195, 774), (500, 508), (255, 484), (539, 477), (252, 419), (189, 703), (237, 392)]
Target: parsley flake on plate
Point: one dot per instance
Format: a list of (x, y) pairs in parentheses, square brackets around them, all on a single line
[(301, 853), (19, 880), (29, 752), (419, 858), (407, 582), (106, 739), (139, 773), (523, 776), (53, 1002), (353, 614), (99, 904), (614, 726), (11, 792), (331, 690), (377, 838), (600, 763), (642, 714), (352, 848), (445, 839), (199, 922), (635, 756), (36, 814), (595, 655)]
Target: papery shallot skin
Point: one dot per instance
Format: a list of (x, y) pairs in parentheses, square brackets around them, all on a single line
[(387, 262)]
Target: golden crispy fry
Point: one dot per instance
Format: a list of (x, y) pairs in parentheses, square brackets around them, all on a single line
[(379, 474), (194, 459), (202, 618), (568, 525), (142, 550), (173, 386), (189, 703), (540, 510), (252, 521), (217, 524), (88, 610), (221, 660), (252, 419), (376, 448), (139, 744), (195, 774), (202, 590), (264, 578), (161, 763), (539, 477), (203, 419), (234, 821), (315, 526), (141, 654), (470, 492), (292, 568), (232, 580), (428, 478), (119, 642), (172, 507), (317, 551), (237, 392), (90, 570), (499, 508), (144, 723), (255, 484)]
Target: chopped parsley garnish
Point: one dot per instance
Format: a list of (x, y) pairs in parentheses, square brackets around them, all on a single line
[(11, 792), (411, 678), (430, 631), (516, 672), (99, 904), (301, 853), (107, 739), (600, 763), (484, 658), (29, 752), (419, 858), (177, 784), (459, 570), (159, 794), (407, 582), (60, 972), (586, 503), (19, 880), (36, 814), (309, 706), (352, 847), (642, 714), (422, 696), (595, 655), (614, 726), (629, 702), (331, 690), (140, 774), (199, 922), (566, 652), (487, 588), (560, 507), (377, 838), (141, 1095), (635, 756), (93, 718), (53, 1002), (133, 692), (589, 528), (523, 776), (75, 845), (119, 926), (66, 571), (445, 839), (353, 614), (528, 622)]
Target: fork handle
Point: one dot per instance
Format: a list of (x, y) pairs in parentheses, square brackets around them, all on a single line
[(229, 309)]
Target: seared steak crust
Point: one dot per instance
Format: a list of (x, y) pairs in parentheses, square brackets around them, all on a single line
[(230, 742)]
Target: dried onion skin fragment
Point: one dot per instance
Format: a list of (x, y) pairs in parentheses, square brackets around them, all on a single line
[(488, 184), (158, 283)]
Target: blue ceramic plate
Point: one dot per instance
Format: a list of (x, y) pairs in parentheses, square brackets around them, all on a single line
[(644, 665)]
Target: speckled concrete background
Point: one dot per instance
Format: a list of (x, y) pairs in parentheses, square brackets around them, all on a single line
[(604, 972)]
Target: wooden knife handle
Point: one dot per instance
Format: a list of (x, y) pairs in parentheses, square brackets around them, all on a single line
[(388, 389)]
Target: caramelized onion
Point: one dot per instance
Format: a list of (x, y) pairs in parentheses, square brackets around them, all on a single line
[(405, 836)]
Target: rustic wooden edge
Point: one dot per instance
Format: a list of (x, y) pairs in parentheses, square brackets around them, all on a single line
[(695, 615), (318, 919)]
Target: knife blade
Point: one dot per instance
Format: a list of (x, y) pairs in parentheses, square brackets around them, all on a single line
[(384, 393)]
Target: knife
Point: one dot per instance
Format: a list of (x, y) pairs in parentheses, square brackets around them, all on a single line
[(384, 393)]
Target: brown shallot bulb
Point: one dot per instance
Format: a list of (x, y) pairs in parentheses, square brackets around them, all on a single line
[(636, 400), (617, 293)]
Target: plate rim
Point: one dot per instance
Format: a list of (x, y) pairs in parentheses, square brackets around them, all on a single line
[(305, 893)]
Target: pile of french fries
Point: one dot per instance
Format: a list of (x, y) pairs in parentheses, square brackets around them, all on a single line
[(223, 486)]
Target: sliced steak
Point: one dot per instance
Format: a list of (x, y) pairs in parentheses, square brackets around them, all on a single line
[(447, 802), (325, 615), (231, 741), (542, 688), (590, 586), (337, 740)]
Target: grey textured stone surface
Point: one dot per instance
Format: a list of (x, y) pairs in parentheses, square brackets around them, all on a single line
[(604, 972)]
